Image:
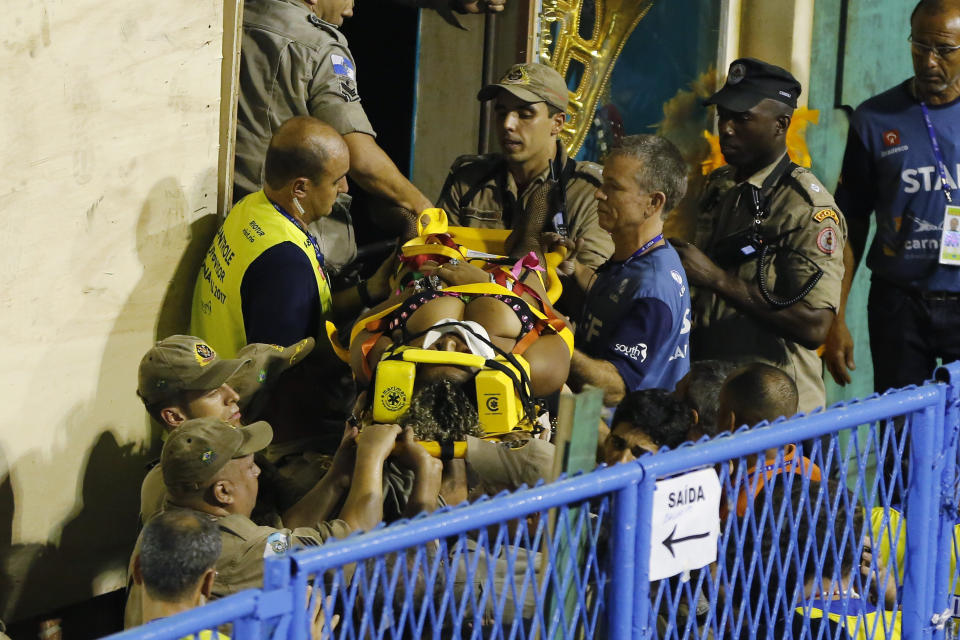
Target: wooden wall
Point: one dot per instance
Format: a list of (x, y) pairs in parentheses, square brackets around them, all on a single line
[(109, 139)]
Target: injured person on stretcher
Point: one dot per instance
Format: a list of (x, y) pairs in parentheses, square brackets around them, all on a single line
[(468, 321)]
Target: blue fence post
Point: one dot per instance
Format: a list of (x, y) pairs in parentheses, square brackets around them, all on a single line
[(623, 540), (247, 628), (949, 374), (923, 521), (273, 610), (641, 590)]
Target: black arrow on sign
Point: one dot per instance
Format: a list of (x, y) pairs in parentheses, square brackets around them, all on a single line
[(669, 541)]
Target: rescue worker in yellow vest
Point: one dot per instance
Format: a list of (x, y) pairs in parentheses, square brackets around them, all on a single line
[(263, 278)]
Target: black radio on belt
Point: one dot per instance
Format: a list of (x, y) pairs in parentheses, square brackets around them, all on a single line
[(738, 248), (750, 244)]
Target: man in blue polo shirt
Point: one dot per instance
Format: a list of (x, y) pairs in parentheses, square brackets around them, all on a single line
[(903, 162), (634, 332)]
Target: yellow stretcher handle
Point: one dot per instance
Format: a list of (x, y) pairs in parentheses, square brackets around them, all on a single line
[(433, 448), (343, 354)]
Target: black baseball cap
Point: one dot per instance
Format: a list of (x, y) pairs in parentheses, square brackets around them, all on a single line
[(749, 81)]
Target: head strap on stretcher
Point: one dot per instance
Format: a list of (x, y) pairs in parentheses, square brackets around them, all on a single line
[(502, 386)]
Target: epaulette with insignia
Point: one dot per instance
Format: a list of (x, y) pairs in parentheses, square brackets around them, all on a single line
[(486, 159), (591, 171), (716, 182), (237, 525), (721, 173), (324, 26), (811, 188)]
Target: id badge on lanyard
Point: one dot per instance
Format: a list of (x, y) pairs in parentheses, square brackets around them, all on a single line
[(950, 233), (950, 236)]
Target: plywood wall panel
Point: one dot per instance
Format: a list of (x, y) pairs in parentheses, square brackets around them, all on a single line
[(109, 129)]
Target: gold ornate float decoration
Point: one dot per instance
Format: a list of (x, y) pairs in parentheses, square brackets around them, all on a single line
[(614, 21)]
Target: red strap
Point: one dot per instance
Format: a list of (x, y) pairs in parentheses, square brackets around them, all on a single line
[(501, 277), (415, 262)]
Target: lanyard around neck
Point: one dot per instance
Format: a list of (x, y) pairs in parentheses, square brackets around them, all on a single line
[(937, 155), (296, 223), (646, 247)]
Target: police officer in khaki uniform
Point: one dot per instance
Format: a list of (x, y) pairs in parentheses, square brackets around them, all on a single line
[(768, 258), (182, 378), (531, 185), (294, 61), (208, 467)]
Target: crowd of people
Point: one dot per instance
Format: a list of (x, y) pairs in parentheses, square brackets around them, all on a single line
[(685, 339)]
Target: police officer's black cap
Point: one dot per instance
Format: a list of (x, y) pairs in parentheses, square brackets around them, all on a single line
[(750, 81)]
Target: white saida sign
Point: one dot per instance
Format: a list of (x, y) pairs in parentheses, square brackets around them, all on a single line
[(685, 523)]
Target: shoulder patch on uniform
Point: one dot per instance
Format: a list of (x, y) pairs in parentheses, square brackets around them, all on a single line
[(827, 240), (823, 214), (343, 66), (278, 543)]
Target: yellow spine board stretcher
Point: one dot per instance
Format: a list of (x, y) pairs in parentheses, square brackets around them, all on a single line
[(498, 402)]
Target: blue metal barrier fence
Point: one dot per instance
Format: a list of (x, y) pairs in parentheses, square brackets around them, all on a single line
[(834, 525)]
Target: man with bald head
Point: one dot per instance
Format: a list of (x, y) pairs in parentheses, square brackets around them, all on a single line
[(263, 278), (902, 163), (752, 394), (768, 259), (295, 61)]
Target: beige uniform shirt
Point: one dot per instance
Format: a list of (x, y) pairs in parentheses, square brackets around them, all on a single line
[(803, 211), (291, 478), (485, 209), (240, 566), (153, 494), (291, 64), (499, 467)]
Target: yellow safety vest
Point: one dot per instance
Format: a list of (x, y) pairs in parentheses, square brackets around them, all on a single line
[(877, 624), (252, 227), (890, 542)]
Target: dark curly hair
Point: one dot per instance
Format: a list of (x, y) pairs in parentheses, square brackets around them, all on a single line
[(657, 413), (441, 411)]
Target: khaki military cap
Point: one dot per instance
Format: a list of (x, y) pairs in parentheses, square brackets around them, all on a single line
[(267, 361), (531, 82), (198, 449), (182, 363)]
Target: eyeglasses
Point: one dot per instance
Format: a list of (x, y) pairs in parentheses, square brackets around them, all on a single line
[(938, 51)]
